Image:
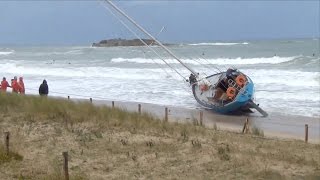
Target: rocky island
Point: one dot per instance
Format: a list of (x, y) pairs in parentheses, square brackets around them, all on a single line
[(124, 42)]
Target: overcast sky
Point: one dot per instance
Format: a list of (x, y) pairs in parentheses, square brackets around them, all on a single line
[(84, 22)]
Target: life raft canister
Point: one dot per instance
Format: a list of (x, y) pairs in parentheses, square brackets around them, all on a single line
[(231, 92), (241, 80)]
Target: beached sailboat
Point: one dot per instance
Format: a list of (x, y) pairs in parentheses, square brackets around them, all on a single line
[(223, 92)]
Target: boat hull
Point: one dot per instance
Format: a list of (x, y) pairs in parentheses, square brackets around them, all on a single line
[(241, 101)]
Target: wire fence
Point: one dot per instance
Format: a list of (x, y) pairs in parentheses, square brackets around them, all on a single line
[(263, 121), (200, 115)]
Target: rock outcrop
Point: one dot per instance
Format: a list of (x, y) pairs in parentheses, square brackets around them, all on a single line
[(123, 42)]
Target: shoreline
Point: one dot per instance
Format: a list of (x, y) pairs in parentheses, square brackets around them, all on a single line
[(276, 125)]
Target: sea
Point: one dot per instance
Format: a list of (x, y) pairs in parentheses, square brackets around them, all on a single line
[(285, 72)]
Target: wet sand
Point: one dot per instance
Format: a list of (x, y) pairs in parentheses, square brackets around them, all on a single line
[(276, 125)]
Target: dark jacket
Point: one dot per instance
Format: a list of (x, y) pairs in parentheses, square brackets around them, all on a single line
[(44, 89)]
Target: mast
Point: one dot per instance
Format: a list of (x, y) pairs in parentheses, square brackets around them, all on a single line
[(153, 38)]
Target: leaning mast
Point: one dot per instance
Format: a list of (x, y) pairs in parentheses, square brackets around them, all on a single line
[(153, 38)]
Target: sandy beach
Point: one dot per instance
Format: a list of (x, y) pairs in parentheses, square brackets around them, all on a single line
[(276, 125)]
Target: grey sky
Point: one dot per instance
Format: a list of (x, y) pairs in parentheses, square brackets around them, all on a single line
[(83, 22)]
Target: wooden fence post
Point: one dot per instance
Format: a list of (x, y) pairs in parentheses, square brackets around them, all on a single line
[(166, 114), (201, 118), (91, 100), (139, 108), (7, 139), (245, 126), (65, 165), (306, 133), (112, 104)]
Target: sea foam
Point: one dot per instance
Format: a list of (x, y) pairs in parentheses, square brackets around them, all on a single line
[(6, 52), (217, 61), (218, 44)]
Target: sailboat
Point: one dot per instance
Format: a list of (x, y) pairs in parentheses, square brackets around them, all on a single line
[(224, 92)]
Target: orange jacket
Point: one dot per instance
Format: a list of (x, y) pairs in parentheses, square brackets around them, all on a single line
[(15, 86), (4, 85), (21, 86)]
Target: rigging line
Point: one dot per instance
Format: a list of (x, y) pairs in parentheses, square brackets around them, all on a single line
[(200, 59), (204, 65), (148, 34), (190, 58), (158, 34), (158, 64), (143, 41), (212, 64)]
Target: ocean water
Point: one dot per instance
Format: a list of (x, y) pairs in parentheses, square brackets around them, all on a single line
[(285, 72)]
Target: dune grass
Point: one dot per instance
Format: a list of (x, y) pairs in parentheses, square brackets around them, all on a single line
[(112, 143), (5, 158)]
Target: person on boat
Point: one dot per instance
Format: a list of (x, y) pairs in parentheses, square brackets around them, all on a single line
[(4, 85), (192, 79), (221, 89), (15, 85), (44, 89), (223, 84), (21, 86), (231, 73)]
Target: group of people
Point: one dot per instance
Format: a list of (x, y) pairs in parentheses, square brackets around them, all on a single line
[(17, 86)]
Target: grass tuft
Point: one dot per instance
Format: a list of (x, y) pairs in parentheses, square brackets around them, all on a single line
[(257, 131), (4, 157), (224, 152)]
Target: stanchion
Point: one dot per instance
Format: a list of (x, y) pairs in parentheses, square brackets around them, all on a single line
[(306, 133), (7, 139), (245, 126), (166, 114), (139, 108), (65, 165), (201, 118)]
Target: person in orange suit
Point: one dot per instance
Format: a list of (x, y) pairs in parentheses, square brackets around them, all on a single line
[(4, 84), (15, 85), (21, 86)]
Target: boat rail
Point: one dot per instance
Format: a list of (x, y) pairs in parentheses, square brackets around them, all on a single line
[(240, 90)]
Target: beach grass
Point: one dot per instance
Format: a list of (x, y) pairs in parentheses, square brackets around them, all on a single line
[(7, 157), (112, 143)]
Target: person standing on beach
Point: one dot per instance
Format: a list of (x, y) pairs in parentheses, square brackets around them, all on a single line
[(44, 89), (4, 85), (15, 85), (21, 85)]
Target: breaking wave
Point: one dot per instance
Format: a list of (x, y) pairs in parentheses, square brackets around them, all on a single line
[(6, 52), (81, 72), (218, 44), (217, 61)]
